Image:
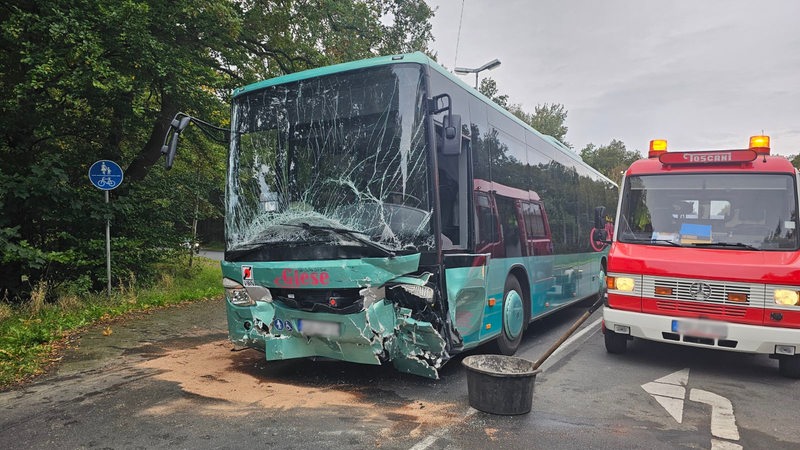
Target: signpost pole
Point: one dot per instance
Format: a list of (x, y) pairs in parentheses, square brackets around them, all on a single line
[(106, 175), (108, 248)]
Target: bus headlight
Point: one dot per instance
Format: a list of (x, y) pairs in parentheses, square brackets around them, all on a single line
[(786, 297), (408, 295), (625, 284), (423, 292), (236, 293)]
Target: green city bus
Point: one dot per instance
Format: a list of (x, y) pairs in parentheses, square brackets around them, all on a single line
[(383, 211)]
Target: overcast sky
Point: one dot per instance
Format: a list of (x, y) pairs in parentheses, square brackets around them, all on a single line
[(703, 74)]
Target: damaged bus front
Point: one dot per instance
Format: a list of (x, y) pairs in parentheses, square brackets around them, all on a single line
[(383, 211), (329, 220)]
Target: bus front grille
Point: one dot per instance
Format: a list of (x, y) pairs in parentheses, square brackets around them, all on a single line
[(338, 301)]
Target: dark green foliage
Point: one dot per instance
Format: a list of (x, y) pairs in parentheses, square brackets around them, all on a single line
[(83, 80), (611, 160), (488, 87), (549, 119)]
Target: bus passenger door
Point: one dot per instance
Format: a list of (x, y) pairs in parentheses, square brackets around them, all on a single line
[(510, 226), (540, 242), (465, 275), (537, 234)]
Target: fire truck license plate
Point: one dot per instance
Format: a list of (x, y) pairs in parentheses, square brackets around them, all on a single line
[(700, 328), (318, 328)]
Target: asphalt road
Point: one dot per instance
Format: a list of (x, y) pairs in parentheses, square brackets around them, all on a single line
[(171, 380)]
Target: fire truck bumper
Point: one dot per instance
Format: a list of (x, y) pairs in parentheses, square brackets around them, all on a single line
[(703, 333)]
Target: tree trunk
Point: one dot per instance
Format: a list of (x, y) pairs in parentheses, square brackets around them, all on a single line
[(151, 151)]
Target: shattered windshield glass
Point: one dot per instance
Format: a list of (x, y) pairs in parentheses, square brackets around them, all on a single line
[(341, 152), (733, 211)]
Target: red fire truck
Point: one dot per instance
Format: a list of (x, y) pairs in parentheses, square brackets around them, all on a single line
[(706, 253)]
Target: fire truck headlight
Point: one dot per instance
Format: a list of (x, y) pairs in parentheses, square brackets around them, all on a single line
[(786, 297), (621, 283), (236, 293)]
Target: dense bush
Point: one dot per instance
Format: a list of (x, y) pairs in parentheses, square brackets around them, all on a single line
[(83, 80)]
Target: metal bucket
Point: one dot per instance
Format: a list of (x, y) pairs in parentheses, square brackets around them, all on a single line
[(500, 384)]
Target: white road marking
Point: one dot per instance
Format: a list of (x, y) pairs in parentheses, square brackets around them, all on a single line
[(680, 378), (723, 422), (716, 444), (592, 327), (666, 390), (428, 441), (669, 392)]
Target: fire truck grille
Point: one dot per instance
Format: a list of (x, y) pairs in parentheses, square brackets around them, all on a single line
[(700, 308), (707, 297)]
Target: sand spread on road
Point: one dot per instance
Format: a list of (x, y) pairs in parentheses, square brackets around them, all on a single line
[(214, 372)]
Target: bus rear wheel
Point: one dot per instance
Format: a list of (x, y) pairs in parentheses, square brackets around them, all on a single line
[(789, 366), (514, 318)]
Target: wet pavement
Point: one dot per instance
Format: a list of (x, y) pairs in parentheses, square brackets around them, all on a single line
[(170, 379), (143, 336)]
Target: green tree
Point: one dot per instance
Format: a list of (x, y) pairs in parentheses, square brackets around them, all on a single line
[(488, 87), (549, 119), (82, 80), (610, 160)]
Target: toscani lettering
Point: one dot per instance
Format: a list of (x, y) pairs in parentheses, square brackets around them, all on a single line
[(291, 277), (707, 157)]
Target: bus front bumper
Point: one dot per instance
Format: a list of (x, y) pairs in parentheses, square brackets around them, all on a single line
[(381, 332), (723, 335)]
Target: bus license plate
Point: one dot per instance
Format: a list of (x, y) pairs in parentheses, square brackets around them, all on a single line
[(700, 328), (318, 328)]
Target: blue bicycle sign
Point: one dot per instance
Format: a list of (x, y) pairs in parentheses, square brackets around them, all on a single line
[(105, 175)]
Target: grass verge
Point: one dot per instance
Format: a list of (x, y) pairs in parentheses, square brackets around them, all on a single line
[(30, 333)]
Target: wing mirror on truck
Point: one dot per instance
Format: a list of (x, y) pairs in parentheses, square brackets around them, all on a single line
[(599, 234), (600, 217)]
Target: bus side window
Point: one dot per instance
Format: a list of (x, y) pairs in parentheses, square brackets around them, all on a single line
[(487, 228), (512, 236)]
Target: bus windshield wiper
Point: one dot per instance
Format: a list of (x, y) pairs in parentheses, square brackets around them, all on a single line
[(345, 232), (726, 244)]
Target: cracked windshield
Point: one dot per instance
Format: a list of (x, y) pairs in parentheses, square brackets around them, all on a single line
[(751, 211), (331, 167)]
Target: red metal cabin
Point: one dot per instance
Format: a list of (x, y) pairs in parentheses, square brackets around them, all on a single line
[(706, 253)]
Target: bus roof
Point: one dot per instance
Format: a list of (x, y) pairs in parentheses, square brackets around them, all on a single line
[(419, 58), (416, 57)]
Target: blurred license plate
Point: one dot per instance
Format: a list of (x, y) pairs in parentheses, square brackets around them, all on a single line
[(700, 328), (318, 328)]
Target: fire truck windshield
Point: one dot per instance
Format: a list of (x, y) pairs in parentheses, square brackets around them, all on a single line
[(728, 211)]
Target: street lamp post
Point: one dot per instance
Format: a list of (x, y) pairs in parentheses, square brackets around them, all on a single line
[(488, 66)]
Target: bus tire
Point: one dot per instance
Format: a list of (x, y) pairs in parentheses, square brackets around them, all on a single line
[(513, 318), (789, 366), (616, 344)]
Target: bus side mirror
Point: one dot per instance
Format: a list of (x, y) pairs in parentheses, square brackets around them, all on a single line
[(171, 149), (451, 135), (600, 217)]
